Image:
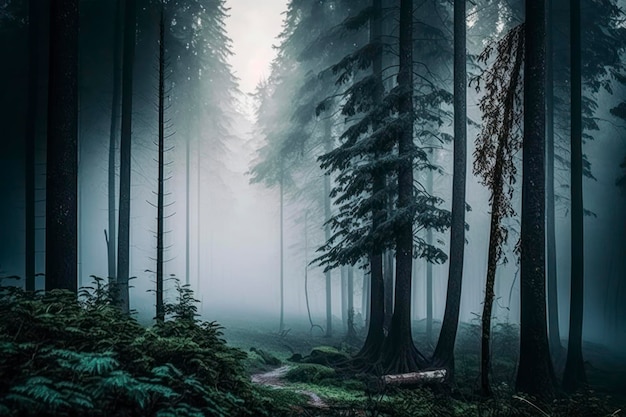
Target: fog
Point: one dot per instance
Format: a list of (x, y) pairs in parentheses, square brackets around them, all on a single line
[(233, 245)]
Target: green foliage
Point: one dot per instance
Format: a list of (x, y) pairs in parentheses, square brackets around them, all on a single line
[(327, 355), (309, 372), (63, 355)]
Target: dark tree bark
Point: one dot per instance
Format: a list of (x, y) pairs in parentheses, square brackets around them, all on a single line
[(443, 356), (351, 334), (35, 17), (123, 245), (553, 302), (574, 374), (62, 152), (535, 374), (375, 313), (492, 264), (365, 300), (113, 135), (388, 282), (400, 354), (160, 310)]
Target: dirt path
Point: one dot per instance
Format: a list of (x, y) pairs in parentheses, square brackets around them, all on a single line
[(274, 379)]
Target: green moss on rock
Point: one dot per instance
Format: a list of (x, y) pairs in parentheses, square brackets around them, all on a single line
[(309, 372), (326, 355)]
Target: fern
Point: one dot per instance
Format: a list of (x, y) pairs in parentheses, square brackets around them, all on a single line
[(87, 363), (62, 355), (39, 392)]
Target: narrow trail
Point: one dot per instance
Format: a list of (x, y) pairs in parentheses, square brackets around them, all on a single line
[(274, 379)]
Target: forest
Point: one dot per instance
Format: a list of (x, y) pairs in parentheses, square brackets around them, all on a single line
[(378, 208)]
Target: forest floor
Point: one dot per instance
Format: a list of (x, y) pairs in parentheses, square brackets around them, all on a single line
[(606, 371), (275, 379)]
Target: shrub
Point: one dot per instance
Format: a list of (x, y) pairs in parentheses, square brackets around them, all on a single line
[(67, 355)]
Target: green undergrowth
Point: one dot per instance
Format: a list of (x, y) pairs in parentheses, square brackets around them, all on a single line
[(62, 355), (349, 394), (66, 356)]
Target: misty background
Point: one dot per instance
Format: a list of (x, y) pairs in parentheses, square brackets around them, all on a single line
[(234, 244)]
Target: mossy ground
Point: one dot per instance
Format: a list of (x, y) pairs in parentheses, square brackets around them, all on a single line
[(352, 395)]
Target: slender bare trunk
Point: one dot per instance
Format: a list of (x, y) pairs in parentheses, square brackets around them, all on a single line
[(574, 375), (113, 135), (160, 309), (123, 244), (327, 215), (281, 325), (429, 267), (34, 22)]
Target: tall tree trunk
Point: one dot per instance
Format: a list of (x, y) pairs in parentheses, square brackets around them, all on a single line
[(574, 374), (344, 297), (62, 157), (500, 208), (535, 373), (400, 354), (429, 265), (34, 23), (374, 309), (113, 135), (187, 209), (123, 244), (351, 331), (553, 303), (281, 325), (444, 351), (388, 281), (365, 300), (199, 223), (492, 264), (160, 310), (415, 291), (327, 214)]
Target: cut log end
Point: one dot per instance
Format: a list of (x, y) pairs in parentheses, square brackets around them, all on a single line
[(424, 377)]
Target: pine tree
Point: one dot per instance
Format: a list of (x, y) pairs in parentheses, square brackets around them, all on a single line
[(286, 115), (443, 357), (160, 308), (369, 163)]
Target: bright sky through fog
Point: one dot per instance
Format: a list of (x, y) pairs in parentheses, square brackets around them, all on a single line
[(253, 26)]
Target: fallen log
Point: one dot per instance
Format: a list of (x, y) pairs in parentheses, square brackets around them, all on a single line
[(424, 377)]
